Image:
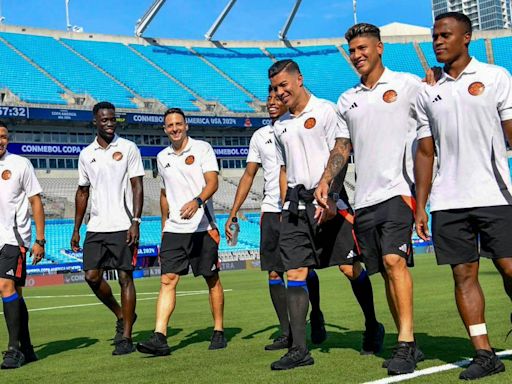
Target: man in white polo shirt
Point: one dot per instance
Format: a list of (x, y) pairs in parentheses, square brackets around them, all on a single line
[(464, 117), (18, 188), (312, 237), (189, 172), (378, 119), (112, 168)]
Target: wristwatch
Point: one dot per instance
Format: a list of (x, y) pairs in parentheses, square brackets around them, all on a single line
[(41, 242), (137, 219), (200, 201), (334, 196)]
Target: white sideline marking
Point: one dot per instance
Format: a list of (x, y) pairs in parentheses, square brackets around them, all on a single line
[(178, 294), (93, 295), (431, 370)]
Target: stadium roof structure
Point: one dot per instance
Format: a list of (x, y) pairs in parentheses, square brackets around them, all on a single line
[(401, 29)]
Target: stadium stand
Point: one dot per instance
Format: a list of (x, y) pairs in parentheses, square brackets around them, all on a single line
[(402, 58), (476, 49), (502, 48)]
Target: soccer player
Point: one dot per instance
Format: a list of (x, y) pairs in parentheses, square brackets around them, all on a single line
[(312, 237), (262, 152), (19, 187), (189, 172), (463, 119), (112, 167), (378, 118)]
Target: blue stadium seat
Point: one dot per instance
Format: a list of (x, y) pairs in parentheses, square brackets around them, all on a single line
[(326, 72), (76, 74), (199, 76), (402, 57), (476, 49), (502, 49), (25, 80), (135, 72)]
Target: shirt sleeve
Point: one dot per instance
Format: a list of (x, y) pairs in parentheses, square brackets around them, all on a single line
[(83, 177), (135, 166), (254, 155), (279, 150), (423, 125), (160, 172), (30, 183), (332, 125), (209, 160), (342, 122), (504, 95)]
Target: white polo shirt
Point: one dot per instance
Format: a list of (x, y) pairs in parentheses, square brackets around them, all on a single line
[(183, 180), (108, 172), (262, 150), (18, 182), (304, 142), (464, 117), (381, 123)]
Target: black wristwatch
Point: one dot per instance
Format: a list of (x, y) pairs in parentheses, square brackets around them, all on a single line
[(334, 196), (40, 242), (200, 201)]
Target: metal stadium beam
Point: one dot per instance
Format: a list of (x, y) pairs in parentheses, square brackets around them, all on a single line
[(209, 35), (145, 20), (282, 34)]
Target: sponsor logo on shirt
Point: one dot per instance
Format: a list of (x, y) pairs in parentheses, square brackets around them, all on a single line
[(190, 160), (390, 96), (117, 156), (476, 88), (309, 123), (6, 175)]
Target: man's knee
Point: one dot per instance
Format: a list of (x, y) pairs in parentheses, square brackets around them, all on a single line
[(125, 278), (273, 275), (7, 287), (299, 274), (213, 281), (350, 271), (93, 277), (465, 275), (504, 266), (168, 281), (394, 263)]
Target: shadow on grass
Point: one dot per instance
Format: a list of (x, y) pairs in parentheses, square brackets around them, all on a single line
[(59, 346), (276, 333), (202, 335)]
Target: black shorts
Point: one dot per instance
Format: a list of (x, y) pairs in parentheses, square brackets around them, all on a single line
[(109, 250), (385, 229), (13, 264), (199, 250), (270, 253), (463, 235), (319, 246)]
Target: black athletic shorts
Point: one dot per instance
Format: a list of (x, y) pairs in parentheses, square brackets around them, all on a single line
[(385, 229), (333, 239), (13, 264), (463, 235), (199, 250), (109, 250), (270, 253)]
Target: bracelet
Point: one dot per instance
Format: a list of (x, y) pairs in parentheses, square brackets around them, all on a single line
[(137, 219)]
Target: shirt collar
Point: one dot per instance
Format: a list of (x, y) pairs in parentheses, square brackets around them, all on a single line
[(5, 155), (313, 100), (385, 78), (114, 143), (470, 69), (187, 148)]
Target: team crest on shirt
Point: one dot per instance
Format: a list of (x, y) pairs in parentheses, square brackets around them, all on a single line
[(117, 156), (476, 88), (190, 160), (6, 175), (310, 123), (390, 96)]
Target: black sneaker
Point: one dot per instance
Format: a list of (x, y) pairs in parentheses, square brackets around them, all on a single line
[(123, 347), (403, 360), (485, 363), (418, 355), (282, 342), (218, 340), (318, 332), (295, 357), (156, 345), (120, 329), (13, 358), (373, 339), (30, 355)]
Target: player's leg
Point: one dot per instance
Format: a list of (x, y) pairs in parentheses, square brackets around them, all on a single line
[(216, 298), (391, 299), (128, 301), (13, 358), (504, 266), (277, 291), (316, 317), (298, 304), (103, 291), (25, 341), (166, 302)]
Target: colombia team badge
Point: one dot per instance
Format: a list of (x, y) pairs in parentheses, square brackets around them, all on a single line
[(390, 96), (476, 88), (310, 123), (189, 160), (117, 156), (6, 175)]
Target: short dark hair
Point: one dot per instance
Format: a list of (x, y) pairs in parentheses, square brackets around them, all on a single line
[(270, 89), (179, 111), (102, 105), (3, 125), (460, 17), (287, 65), (362, 29)]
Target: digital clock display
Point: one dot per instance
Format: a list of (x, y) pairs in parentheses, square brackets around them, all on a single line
[(20, 112)]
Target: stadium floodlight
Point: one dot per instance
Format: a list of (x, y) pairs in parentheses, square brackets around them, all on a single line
[(209, 35), (145, 20), (69, 27), (354, 6), (282, 33)]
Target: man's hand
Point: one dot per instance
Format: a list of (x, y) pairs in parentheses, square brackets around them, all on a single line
[(325, 214), (132, 237), (433, 75), (422, 224), (75, 241), (227, 230), (37, 253), (189, 209), (321, 192)]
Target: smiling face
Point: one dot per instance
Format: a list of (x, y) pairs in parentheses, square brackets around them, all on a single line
[(106, 124), (4, 140), (275, 106), (365, 54), (175, 127), (288, 87), (450, 40)]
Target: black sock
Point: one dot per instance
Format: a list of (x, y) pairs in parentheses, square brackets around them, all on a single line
[(298, 303), (12, 319), (362, 288), (24, 331), (314, 292), (278, 295)]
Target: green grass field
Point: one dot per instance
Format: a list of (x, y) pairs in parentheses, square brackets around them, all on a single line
[(74, 343)]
